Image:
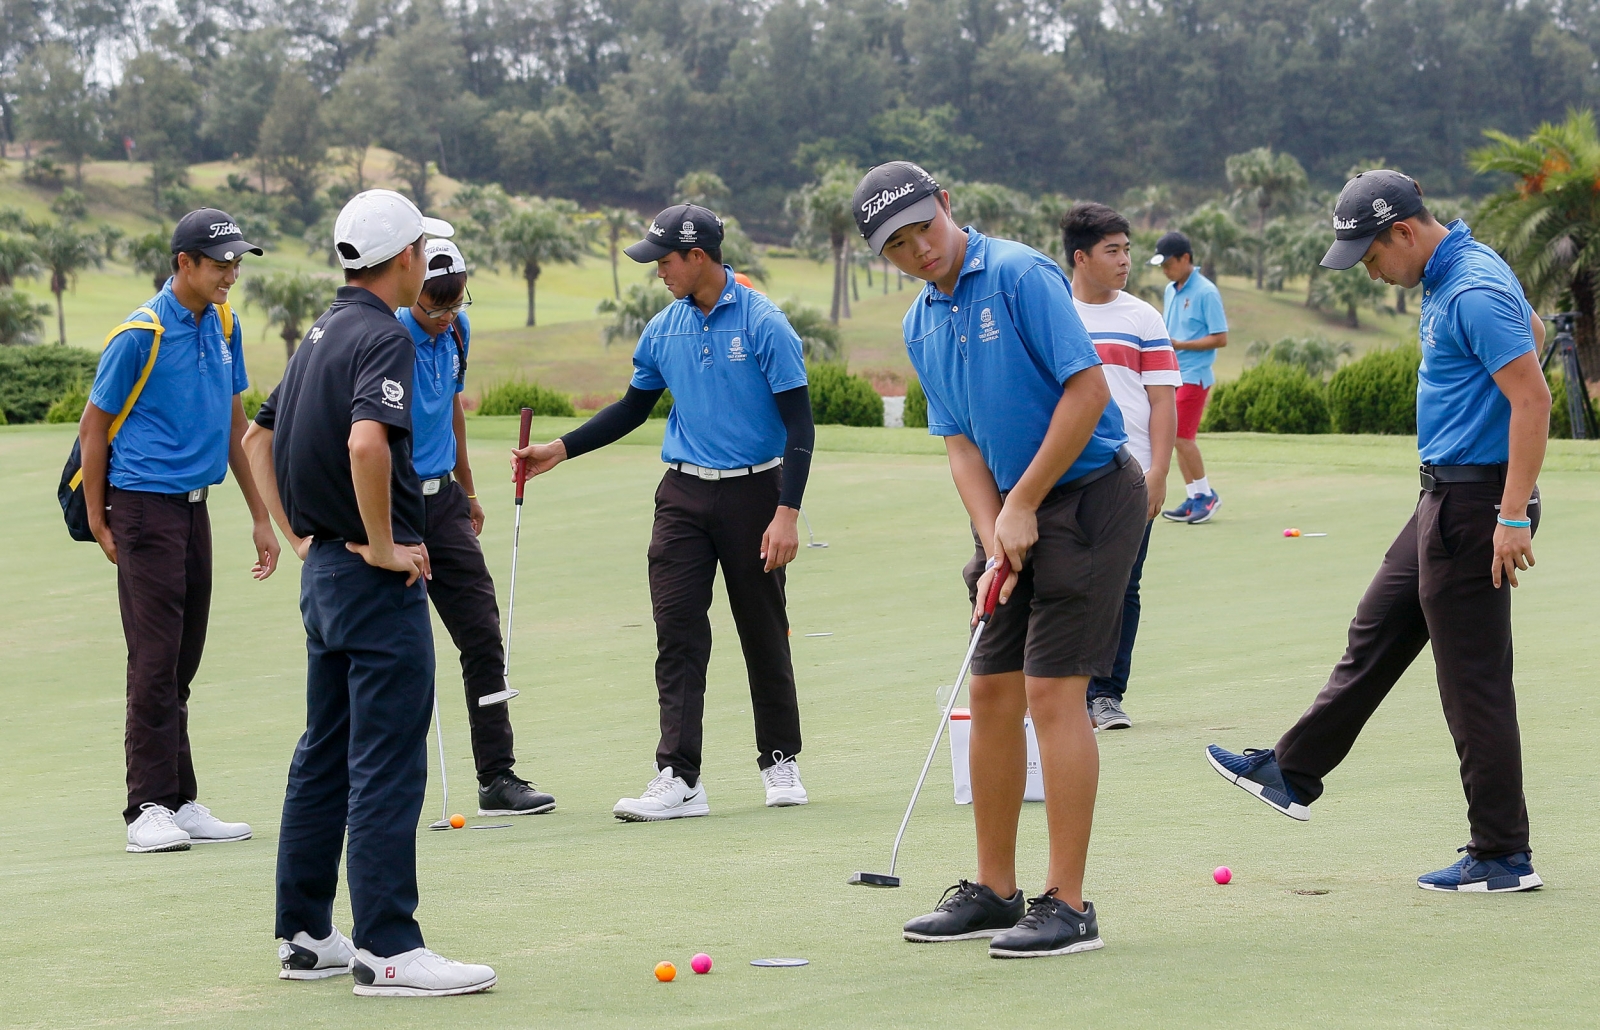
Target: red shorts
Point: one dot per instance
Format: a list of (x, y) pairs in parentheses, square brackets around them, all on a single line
[(1191, 405)]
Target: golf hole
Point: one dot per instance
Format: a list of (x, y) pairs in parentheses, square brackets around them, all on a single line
[(1314, 892)]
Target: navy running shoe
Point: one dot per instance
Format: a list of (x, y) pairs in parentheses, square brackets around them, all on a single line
[(1181, 513), (1257, 771), (1485, 875), (1204, 508)]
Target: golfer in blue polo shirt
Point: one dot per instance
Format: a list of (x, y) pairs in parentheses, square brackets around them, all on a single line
[(1039, 456), (738, 453), (146, 500), (1483, 412), (1198, 329)]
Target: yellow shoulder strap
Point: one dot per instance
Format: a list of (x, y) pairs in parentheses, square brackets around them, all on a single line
[(225, 313), (156, 329)]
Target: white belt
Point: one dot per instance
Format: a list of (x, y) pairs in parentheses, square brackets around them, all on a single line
[(715, 474)]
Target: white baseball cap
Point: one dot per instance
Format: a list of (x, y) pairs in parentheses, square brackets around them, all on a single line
[(434, 249), (378, 224)]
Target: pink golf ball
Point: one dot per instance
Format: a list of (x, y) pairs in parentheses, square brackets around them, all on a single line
[(701, 963), (1222, 874)]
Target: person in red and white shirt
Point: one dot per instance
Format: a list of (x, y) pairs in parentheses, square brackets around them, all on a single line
[(1142, 370)]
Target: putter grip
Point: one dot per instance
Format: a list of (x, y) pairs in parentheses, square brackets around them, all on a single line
[(1001, 572), (522, 441)]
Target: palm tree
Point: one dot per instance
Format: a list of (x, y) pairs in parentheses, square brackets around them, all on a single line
[(1547, 224), (21, 320), (18, 259), (289, 299), (1294, 249), (151, 254), (1350, 289), (633, 312), (64, 252), (820, 338), (704, 187), (617, 221), (1265, 181), (1150, 204), (1216, 237), (543, 231), (821, 212)]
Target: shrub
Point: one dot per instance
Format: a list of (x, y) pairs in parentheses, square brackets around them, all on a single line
[(69, 406), (33, 378), (2, 418), (1319, 357), (1560, 415), (252, 399), (916, 416), (663, 406), (510, 397), (1269, 398), (820, 338), (1377, 394), (839, 398)]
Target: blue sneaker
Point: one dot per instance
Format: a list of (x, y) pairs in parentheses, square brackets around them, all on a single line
[(1485, 876), (1181, 513), (1204, 508), (1257, 771)]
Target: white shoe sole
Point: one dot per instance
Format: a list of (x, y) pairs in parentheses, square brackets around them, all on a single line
[(541, 810), (787, 801), (1524, 883), (156, 849), (976, 935), (1071, 949), (221, 840), (1207, 516), (1297, 812), (312, 974), (681, 812), (1123, 723), (393, 991)]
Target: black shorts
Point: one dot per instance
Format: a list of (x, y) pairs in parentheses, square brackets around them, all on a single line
[(1065, 615)]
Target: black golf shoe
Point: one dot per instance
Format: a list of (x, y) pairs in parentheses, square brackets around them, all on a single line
[(508, 795), (1051, 927), (966, 912)]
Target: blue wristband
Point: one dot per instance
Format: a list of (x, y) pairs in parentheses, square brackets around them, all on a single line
[(1514, 523)]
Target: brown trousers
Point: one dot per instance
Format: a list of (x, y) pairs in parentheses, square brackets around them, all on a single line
[(164, 591), (1433, 586)]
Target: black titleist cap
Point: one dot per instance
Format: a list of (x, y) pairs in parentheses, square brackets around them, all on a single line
[(679, 227), (1170, 245), (1369, 204), (213, 233), (891, 196)]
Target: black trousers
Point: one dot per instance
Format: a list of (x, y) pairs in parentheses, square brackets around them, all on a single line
[(1433, 586), (700, 524), (362, 764), (463, 595), (164, 591)]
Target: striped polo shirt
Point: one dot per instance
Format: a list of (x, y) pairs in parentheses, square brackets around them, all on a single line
[(1131, 339)]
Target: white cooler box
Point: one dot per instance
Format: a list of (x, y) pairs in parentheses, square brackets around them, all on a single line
[(960, 733)]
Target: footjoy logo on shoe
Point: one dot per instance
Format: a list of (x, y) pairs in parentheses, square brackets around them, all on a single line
[(388, 972), (392, 394)]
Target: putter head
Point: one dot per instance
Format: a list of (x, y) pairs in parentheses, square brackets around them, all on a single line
[(442, 824), (816, 544), (498, 697), (873, 880)]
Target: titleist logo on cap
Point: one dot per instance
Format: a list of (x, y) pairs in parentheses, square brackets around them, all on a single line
[(224, 229), (878, 201)]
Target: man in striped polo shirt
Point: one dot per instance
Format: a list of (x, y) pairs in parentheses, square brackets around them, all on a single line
[(1142, 370)]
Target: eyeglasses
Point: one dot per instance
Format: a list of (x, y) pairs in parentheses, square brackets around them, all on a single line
[(452, 309)]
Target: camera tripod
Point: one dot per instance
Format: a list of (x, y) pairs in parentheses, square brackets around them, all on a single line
[(1564, 347)]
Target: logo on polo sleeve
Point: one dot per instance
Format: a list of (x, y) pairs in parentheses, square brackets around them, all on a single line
[(988, 332), (393, 394)]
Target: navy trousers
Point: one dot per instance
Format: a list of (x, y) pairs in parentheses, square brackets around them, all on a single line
[(1116, 685), (362, 765)]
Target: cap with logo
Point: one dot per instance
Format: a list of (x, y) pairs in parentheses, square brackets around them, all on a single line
[(679, 227), (892, 196), (442, 258), (378, 224), (1369, 204), (1170, 245), (213, 233)]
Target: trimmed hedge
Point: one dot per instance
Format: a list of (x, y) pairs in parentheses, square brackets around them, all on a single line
[(663, 406), (69, 407), (510, 397), (1269, 398), (1377, 394), (916, 416), (33, 378), (839, 398), (252, 399)]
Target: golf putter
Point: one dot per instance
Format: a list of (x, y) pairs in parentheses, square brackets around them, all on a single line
[(502, 696), (438, 734), (889, 879), (810, 535)]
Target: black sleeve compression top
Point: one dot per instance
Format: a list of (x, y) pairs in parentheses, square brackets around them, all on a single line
[(612, 422)]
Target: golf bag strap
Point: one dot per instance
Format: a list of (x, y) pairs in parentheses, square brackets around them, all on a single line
[(225, 315), (156, 329)]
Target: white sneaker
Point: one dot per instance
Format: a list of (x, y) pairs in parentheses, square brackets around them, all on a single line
[(204, 828), (303, 957), (417, 973), (667, 797), (783, 783), (154, 830)]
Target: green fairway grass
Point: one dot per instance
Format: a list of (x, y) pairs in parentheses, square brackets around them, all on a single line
[(574, 909)]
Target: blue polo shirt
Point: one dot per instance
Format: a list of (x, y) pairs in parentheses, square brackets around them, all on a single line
[(176, 438), (994, 357), (1474, 321), (722, 369), (438, 380), (1190, 313)]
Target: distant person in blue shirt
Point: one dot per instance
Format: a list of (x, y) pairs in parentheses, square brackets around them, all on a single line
[(738, 453), (146, 498), (461, 589), (1483, 411), (1041, 460), (1193, 313)]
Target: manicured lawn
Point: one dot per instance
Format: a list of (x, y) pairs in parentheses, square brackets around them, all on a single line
[(574, 909)]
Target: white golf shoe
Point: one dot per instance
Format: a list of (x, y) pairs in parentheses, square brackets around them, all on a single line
[(417, 973), (154, 831), (204, 828), (668, 796), (784, 788), (303, 957)]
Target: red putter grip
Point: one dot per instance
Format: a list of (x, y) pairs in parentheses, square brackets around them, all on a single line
[(1002, 572), (522, 441)]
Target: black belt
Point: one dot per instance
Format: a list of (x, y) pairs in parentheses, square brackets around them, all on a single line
[(1433, 475), (1118, 460)]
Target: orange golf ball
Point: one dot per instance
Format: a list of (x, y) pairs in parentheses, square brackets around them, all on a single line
[(666, 971), (458, 820)]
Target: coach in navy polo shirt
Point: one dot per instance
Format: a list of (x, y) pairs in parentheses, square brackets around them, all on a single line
[(1483, 412), (147, 509), (738, 452), (334, 440)]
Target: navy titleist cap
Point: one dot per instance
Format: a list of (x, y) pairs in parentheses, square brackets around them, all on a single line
[(213, 233), (892, 196), (679, 227), (1171, 245), (1369, 204)]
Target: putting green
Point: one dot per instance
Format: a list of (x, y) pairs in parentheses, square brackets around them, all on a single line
[(574, 909)]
